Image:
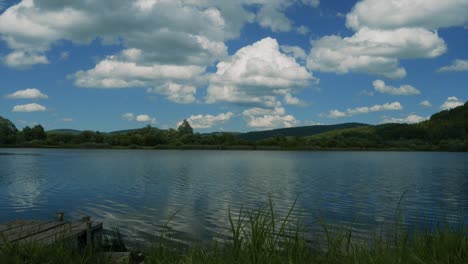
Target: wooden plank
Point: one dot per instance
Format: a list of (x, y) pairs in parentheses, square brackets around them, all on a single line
[(61, 230), (64, 232), (71, 234), (15, 224), (16, 228), (30, 230)]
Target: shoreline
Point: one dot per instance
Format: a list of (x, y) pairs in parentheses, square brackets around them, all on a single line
[(223, 147)]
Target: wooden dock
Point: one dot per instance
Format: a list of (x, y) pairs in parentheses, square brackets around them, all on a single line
[(50, 232)]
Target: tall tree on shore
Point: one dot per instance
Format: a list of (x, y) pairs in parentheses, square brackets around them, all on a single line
[(7, 131), (185, 128)]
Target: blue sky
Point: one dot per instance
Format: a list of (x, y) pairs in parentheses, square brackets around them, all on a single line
[(230, 65)]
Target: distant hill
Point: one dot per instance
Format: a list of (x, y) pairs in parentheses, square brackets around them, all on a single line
[(64, 131), (296, 131), (122, 132), (446, 130), (126, 131)]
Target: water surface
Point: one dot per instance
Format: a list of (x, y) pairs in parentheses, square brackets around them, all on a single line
[(138, 191)]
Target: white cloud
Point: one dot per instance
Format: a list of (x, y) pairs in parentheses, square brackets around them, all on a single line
[(395, 106), (268, 118), (24, 59), (385, 32), (411, 119), (425, 103), (431, 14), (335, 114), (207, 121), (373, 51), (256, 75), (451, 102), (178, 93), (270, 16), (255, 111), (30, 93), (457, 65), (381, 87), (29, 108), (145, 119), (67, 119), (303, 30), (64, 55), (121, 71), (128, 116), (139, 118), (167, 31), (289, 99), (271, 121), (313, 3), (113, 72), (295, 51)]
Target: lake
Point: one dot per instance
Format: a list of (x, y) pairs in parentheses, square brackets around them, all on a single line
[(138, 191)]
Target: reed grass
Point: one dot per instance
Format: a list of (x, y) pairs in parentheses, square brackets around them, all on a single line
[(264, 236)]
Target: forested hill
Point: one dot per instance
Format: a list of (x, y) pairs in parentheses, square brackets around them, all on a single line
[(296, 131), (446, 130)]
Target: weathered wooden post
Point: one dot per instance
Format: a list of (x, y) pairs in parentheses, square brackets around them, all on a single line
[(59, 216), (89, 234)]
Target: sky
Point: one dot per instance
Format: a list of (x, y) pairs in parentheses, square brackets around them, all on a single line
[(230, 65)]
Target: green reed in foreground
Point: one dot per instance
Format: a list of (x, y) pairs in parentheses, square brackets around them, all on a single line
[(261, 236)]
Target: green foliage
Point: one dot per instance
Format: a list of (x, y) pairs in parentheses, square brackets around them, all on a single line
[(35, 133), (7, 131), (265, 236), (446, 131), (185, 128)]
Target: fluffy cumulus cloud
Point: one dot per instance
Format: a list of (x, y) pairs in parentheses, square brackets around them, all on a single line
[(411, 119), (425, 103), (295, 51), (385, 32), (381, 87), (24, 59), (395, 106), (451, 102), (257, 75), (271, 14), (145, 119), (30, 93), (268, 118), (374, 51), (182, 94), (128, 116), (208, 121), (168, 44), (29, 108), (139, 118), (431, 14), (456, 66)]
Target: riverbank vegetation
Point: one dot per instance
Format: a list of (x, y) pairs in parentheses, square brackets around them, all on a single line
[(444, 131), (262, 236)]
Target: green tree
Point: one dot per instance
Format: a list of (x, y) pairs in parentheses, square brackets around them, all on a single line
[(39, 133), (185, 128), (7, 131), (35, 133), (27, 133)]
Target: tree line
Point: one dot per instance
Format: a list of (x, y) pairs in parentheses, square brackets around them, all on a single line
[(446, 130)]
